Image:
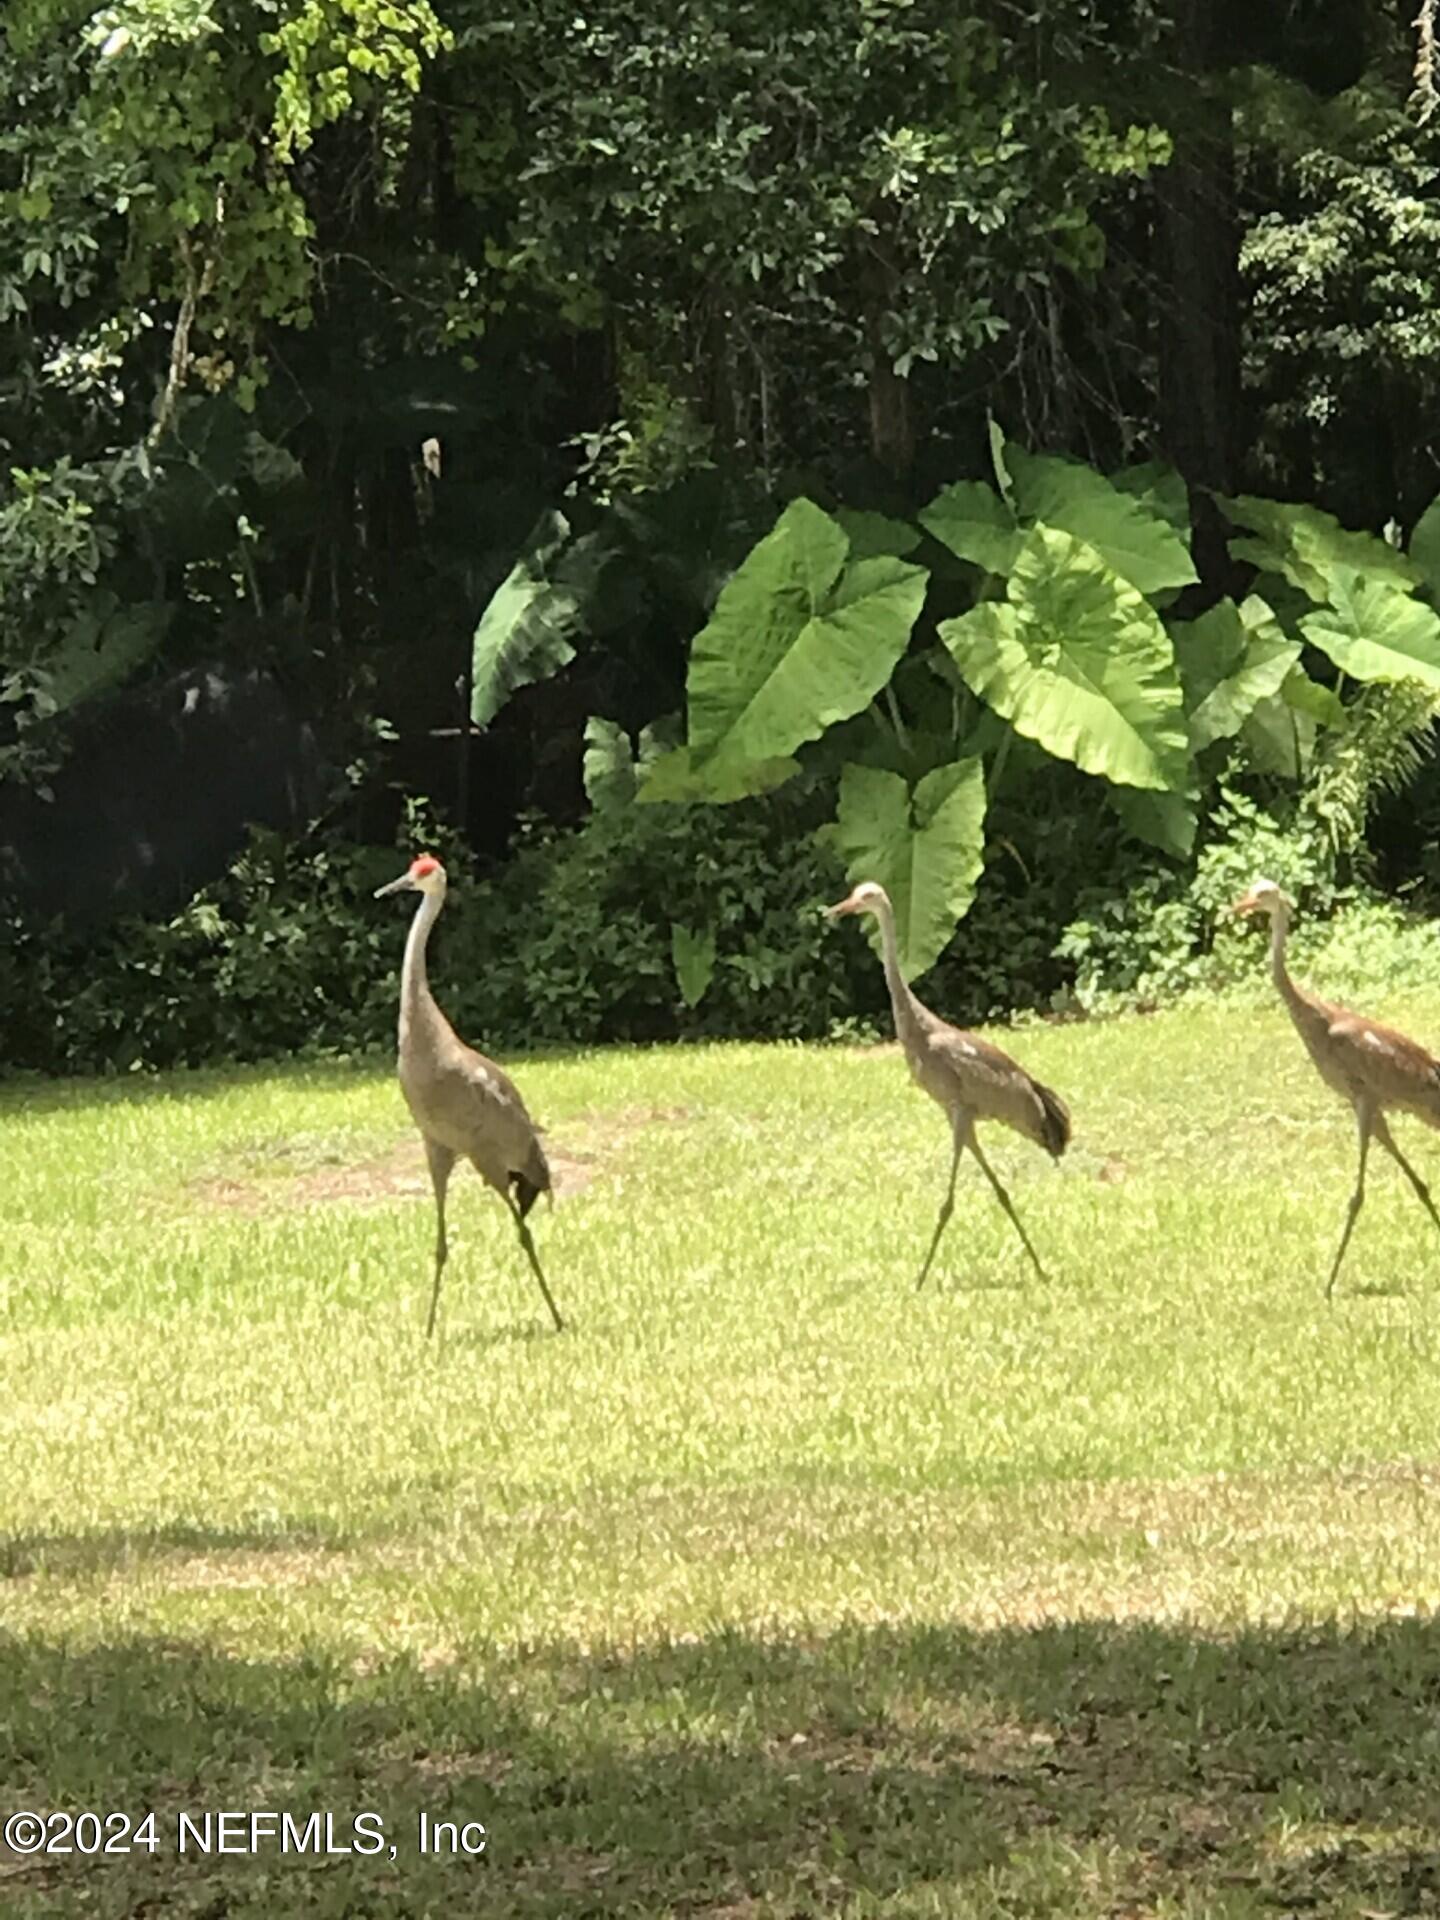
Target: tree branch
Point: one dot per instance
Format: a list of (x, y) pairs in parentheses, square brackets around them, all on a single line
[(1425, 99)]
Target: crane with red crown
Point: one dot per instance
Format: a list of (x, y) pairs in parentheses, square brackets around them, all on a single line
[(463, 1104)]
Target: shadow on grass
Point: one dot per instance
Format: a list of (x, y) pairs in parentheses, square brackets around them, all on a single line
[(108, 1549), (41, 1094), (1076, 1770), (469, 1337), (37, 1095)]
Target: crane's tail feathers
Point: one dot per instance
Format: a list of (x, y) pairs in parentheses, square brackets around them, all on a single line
[(526, 1192), (1054, 1121), (535, 1180), (1428, 1107)]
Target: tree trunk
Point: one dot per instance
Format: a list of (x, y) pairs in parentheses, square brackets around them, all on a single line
[(725, 403), (892, 422), (892, 425), (1200, 315)]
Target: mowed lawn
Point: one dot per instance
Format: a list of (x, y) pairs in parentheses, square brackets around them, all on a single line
[(770, 1587)]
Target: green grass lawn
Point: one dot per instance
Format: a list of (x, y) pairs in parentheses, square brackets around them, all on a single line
[(770, 1587)]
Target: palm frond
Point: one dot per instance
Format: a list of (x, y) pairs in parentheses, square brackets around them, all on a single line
[(1389, 737)]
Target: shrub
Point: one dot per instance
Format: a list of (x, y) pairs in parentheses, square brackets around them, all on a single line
[(279, 957), (568, 943), (1169, 935), (571, 940)]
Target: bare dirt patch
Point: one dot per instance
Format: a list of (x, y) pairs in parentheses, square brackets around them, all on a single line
[(396, 1174), (593, 1141), (614, 1128)]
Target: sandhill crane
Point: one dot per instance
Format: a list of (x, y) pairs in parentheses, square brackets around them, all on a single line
[(969, 1078), (461, 1102), (1371, 1066)]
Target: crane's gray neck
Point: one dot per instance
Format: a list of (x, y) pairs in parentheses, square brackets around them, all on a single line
[(1279, 972), (417, 1008), (903, 1002)]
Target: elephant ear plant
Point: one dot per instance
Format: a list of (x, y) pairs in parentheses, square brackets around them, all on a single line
[(900, 663)]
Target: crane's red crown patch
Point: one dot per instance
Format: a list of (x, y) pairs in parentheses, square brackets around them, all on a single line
[(427, 863)]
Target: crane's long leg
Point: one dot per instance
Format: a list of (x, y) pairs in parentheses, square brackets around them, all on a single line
[(530, 1254), (1003, 1197), (441, 1161), (947, 1205), (1422, 1192), (1365, 1120)]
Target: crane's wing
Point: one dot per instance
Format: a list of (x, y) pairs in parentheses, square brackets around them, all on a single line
[(995, 1087), (507, 1117), (492, 1084), (473, 1107), (1393, 1069)]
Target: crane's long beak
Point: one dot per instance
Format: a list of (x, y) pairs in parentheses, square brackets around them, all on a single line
[(393, 886), (840, 906)]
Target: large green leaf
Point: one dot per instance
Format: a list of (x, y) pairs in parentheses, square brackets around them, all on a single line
[(973, 521), (1159, 488), (1230, 659), (997, 457), (872, 533), (798, 640), (1165, 820), (1279, 734), (1425, 545), (926, 848), (1320, 704), (104, 645), (1139, 522), (1374, 633), (527, 631), (609, 764), (694, 957), (1131, 535), (1077, 660), (1310, 548), (673, 778)]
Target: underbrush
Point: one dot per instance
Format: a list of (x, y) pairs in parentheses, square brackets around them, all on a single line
[(573, 941)]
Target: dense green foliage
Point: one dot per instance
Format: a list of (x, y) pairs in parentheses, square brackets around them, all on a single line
[(572, 941), (628, 383)]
